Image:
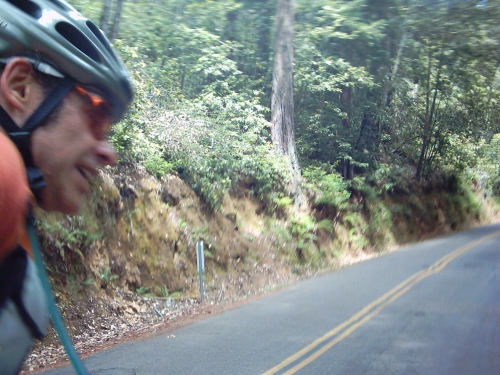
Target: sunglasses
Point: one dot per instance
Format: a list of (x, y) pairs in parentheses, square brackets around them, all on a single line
[(95, 99), (100, 108)]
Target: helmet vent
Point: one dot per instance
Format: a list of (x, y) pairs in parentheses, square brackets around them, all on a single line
[(78, 39), (99, 35), (28, 7)]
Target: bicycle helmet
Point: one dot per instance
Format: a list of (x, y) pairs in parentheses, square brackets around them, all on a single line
[(62, 38), (59, 41)]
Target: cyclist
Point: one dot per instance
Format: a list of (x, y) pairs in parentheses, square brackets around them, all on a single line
[(61, 88)]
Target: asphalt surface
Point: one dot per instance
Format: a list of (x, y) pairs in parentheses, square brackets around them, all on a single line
[(431, 308)]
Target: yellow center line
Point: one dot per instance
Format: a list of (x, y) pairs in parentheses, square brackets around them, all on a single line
[(370, 311)]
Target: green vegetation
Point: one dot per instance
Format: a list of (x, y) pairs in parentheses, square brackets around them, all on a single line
[(107, 277), (397, 126), (381, 92), (70, 240)]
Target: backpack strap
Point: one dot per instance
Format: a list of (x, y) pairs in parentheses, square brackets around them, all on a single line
[(54, 312), (12, 276)]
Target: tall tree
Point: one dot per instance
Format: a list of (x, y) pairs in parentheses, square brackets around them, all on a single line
[(105, 15), (116, 20), (111, 28), (448, 68), (282, 131), (340, 52)]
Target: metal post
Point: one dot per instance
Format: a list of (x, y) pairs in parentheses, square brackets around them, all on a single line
[(200, 260), (201, 286)]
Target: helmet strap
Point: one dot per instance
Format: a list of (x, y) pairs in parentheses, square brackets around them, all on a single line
[(21, 136), (51, 101)]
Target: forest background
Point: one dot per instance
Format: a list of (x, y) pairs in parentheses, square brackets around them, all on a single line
[(394, 118)]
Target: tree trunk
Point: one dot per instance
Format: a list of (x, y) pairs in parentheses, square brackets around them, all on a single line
[(345, 106), (116, 20), (173, 22), (389, 85), (282, 130), (106, 11), (429, 113)]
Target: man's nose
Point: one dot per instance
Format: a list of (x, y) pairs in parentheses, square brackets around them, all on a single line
[(106, 154)]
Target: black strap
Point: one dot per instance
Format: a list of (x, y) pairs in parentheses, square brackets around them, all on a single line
[(12, 277), (51, 101), (7, 123), (20, 137), (36, 181), (26, 317), (12, 271)]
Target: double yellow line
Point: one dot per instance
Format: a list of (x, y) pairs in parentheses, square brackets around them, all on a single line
[(363, 316)]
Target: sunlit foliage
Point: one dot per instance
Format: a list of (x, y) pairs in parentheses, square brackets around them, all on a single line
[(393, 90)]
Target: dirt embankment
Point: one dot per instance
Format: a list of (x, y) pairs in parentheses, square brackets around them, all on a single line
[(126, 267)]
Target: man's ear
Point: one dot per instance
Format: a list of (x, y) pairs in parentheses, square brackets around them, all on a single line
[(19, 89)]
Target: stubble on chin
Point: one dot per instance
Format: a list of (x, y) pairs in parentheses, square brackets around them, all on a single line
[(55, 200)]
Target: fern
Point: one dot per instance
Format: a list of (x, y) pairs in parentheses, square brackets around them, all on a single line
[(352, 218), (326, 225)]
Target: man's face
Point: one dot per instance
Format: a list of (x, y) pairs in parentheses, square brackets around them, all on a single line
[(69, 150)]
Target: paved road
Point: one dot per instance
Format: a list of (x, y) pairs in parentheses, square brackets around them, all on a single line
[(432, 308)]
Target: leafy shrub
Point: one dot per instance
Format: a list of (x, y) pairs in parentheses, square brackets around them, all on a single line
[(380, 225), (330, 188), (487, 170), (352, 219), (76, 238), (217, 141), (357, 229), (325, 225), (303, 228), (391, 177), (106, 276), (359, 184), (283, 202), (158, 166)]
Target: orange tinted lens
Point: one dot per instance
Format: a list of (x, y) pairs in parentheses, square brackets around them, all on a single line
[(95, 99)]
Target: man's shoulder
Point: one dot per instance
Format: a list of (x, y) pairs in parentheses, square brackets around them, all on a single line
[(14, 195), (8, 151)]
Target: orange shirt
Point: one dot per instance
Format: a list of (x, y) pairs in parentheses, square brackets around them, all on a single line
[(15, 196)]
